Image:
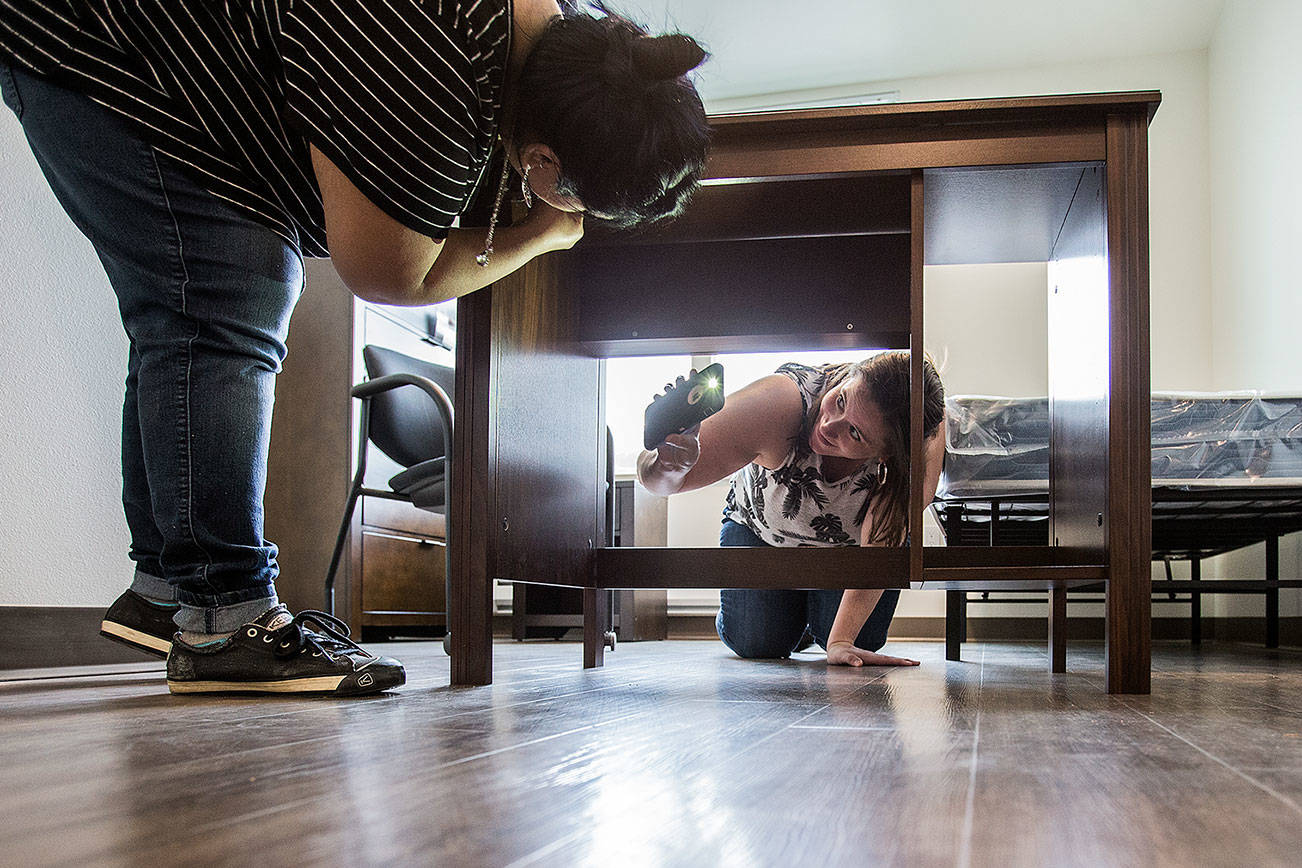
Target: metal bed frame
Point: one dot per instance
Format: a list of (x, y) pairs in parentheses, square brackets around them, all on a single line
[(1190, 523)]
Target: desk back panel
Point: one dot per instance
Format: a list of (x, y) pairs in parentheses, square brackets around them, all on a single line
[(720, 296), (806, 262), (874, 203), (1079, 335), (549, 430)]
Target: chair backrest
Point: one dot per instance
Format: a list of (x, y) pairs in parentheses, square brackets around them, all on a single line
[(404, 422)]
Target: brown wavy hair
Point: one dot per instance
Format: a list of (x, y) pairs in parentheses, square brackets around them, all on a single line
[(884, 379)]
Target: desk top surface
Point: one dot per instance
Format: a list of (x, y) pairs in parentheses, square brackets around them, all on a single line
[(1028, 107)]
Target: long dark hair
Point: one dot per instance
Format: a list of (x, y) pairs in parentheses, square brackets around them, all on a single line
[(884, 379), (616, 106)]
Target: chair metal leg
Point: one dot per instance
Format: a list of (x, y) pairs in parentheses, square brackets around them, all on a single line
[(340, 539), (363, 436)]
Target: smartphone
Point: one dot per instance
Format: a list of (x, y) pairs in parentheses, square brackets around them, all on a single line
[(687, 402)]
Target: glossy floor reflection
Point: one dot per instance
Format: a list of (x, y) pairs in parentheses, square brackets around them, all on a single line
[(676, 753)]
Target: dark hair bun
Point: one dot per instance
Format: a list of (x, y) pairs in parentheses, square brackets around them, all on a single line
[(658, 58)]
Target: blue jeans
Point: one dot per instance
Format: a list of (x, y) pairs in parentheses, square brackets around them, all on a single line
[(771, 623), (205, 295)]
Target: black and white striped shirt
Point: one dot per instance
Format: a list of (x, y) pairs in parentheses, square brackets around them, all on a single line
[(404, 96)]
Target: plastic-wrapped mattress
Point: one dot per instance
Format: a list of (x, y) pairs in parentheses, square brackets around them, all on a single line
[(1000, 446)]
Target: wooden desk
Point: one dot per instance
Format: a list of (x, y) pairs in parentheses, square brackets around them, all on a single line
[(812, 232)]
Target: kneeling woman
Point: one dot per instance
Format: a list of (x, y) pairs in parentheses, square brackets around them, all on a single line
[(821, 458)]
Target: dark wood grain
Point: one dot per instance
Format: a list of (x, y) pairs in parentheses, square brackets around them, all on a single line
[(402, 574), (623, 287), (1130, 507), (549, 435), (1023, 109), (596, 623), (472, 512), (842, 567), (822, 152), (955, 623), (1055, 129), (803, 207), (917, 382), (691, 297)]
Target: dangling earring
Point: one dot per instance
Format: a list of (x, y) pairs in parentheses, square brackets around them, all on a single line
[(525, 189), (881, 472)]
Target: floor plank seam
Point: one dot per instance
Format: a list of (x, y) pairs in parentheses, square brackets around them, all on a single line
[(1265, 788), (969, 809)]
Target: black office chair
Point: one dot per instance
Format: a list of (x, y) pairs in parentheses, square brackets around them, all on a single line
[(413, 426)]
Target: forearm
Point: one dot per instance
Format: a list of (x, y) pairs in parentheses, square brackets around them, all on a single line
[(655, 477), (456, 272), (856, 605)]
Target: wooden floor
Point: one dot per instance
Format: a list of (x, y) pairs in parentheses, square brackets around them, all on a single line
[(675, 753)]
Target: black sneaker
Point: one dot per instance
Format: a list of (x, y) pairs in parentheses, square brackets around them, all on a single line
[(135, 621), (280, 653)]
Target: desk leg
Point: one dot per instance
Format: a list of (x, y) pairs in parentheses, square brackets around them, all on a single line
[(1058, 630), (471, 536), (1129, 512), (596, 622)]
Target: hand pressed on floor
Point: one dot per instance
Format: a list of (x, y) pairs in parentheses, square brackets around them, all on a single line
[(846, 654)]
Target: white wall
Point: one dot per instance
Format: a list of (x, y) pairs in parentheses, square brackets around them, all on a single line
[(1255, 87), (63, 540)]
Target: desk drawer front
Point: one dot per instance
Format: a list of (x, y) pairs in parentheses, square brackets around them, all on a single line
[(401, 574)]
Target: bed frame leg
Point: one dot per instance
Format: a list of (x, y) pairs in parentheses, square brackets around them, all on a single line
[(955, 623), (1058, 630), (1272, 593)]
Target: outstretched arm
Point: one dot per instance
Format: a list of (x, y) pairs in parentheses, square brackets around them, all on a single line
[(756, 424), (857, 604)]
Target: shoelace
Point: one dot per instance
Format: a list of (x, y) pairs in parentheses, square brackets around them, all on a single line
[(330, 637)]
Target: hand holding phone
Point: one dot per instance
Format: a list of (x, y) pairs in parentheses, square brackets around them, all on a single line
[(685, 403)]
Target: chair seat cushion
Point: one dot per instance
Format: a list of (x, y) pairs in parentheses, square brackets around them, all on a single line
[(424, 484)]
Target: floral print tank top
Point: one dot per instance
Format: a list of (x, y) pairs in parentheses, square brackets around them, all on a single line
[(794, 505)]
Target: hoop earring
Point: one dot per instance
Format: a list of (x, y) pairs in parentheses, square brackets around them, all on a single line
[(881, 472), (525, 190)]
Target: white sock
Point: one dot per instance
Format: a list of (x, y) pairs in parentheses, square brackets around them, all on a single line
[(198, 640)]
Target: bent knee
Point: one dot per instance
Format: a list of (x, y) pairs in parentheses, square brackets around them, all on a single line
[(750, 647)]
